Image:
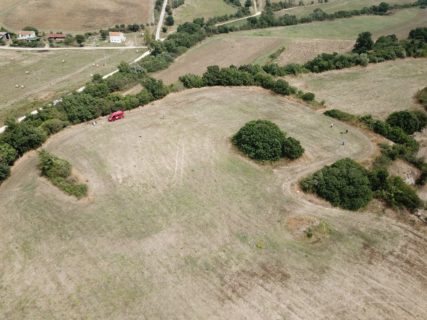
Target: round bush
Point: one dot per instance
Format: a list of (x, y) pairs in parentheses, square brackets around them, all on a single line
[(308, 96), (260, 140), (291, 148)]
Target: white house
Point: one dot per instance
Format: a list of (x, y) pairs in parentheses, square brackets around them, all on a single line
[(27, 35), (117, 37)]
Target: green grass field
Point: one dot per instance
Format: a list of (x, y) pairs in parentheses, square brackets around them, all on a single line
[(179, 225), (45, 76)]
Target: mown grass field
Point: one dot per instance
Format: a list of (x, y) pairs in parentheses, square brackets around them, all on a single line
[(302, 42), (74, 16), (179, 225), (378, 89), (45, 76)]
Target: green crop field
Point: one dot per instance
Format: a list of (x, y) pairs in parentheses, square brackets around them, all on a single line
[(179, 225)]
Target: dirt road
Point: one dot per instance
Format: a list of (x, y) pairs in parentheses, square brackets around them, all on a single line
[(161, 19)]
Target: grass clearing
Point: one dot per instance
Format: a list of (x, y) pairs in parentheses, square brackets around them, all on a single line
[(48, 77), (74, 16), (179, 225), (302, 42), (378, 89)]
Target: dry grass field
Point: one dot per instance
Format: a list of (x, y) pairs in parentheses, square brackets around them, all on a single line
[(378, 89), (302, 42), (48, 77), (192, 9), (74, 16), (178, 225), (335, 5)]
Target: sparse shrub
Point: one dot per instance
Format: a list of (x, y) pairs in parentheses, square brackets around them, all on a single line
[(398, 194), (340, 115), (58, 171), (308, 96), (422, 97)]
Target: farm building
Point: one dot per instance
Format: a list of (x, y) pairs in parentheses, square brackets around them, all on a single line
[(56, 37), (27, 35), (117, 37)]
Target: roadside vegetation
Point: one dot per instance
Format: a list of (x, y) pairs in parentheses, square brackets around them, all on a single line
[(265, 141), (58, 171)]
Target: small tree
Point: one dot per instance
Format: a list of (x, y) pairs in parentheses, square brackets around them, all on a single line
[(364, 43), (80, 39), (170, 20)]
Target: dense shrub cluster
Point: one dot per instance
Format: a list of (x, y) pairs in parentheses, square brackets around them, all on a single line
[(58, 171), (408, 121), (246, 75), (393, 190), (345, 184), (263, 140), (395, 134)]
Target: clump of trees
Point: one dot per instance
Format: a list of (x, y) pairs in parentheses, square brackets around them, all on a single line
[(393, 190), (408, 121), (344, 184), (58, 171), (246, 75), (263, 140)]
